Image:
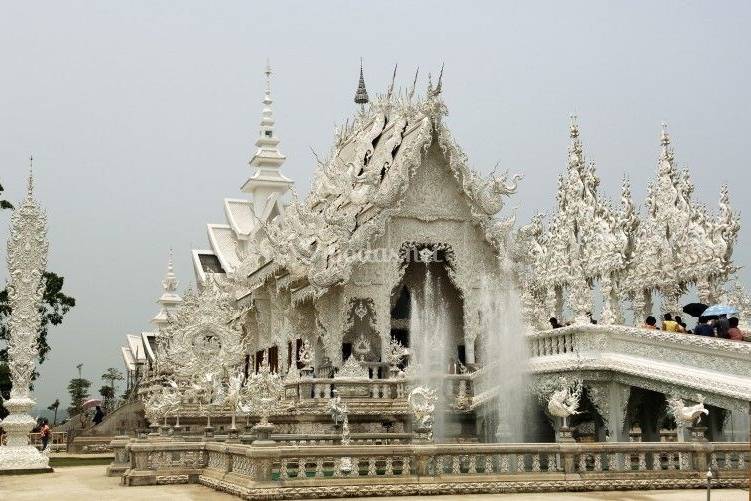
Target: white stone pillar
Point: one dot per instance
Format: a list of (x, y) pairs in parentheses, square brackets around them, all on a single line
[(27, 261)]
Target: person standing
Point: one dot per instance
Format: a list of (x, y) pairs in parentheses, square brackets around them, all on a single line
[(703, 328), (98, 416), (45, 433)]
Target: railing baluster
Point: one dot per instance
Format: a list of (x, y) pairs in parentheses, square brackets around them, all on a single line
[(488, 467), (301, 468), (319, 467), (389, 466), (405, 466), (535, 462), (582, 462), (455, 465), (598, 462), (504, 463)]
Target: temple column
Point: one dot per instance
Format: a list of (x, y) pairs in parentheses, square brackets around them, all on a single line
[(737, 425), (611, 400)]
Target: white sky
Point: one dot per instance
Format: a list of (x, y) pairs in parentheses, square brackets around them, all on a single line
[(141, 116)]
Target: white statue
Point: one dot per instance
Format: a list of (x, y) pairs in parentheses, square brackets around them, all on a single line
[(422, 402), (565, 402), (234, 395), (687, 416)]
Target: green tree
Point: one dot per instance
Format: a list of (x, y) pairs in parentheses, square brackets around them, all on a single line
[(4, 204), (112, 374), (108, 396), (78, 388), (53, 407)]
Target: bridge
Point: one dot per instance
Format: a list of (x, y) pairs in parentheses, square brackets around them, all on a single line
[(620, 364)]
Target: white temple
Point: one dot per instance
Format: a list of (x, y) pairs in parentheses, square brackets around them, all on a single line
[(400, 245)]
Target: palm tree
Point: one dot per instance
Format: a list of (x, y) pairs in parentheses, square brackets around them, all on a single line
[(53, 407)]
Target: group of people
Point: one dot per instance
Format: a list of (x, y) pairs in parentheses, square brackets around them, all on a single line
[(722, 326)]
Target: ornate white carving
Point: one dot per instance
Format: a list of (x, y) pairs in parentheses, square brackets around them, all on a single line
[(675, 244), (685, 415), (422, 400), (27, 261), (564, 402)]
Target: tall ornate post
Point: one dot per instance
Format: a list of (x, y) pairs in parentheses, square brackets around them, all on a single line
[(27, 261)]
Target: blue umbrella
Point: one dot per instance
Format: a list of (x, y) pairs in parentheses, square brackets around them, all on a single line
[(719, 309)]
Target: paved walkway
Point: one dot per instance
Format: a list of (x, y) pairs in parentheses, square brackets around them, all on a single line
[(89, 483)]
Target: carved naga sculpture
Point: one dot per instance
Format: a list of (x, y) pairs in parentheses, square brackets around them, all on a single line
[(687, 416), (565, 402), (489, 193)]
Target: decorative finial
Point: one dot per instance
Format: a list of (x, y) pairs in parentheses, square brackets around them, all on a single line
[(414, 84), (361, 96), (30, 182), (573, 126), (268, 76), (391, 87), (664, 136), (439, 85)]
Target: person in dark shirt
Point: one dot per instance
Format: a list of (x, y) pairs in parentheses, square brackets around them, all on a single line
[(554, 323), (703, 328), (721, 326)]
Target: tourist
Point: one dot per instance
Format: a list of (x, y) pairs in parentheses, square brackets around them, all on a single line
[(734, 332), (703, 328), (98, 416), (650, 323), (722, 325), (670, 325), (45, 433), (682, 324), (554, 323)]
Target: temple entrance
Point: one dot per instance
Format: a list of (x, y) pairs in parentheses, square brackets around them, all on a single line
[(427, 314)]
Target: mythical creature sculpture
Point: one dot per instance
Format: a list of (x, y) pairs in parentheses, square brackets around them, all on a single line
[(565, 401), (422, 402), (687, 416)]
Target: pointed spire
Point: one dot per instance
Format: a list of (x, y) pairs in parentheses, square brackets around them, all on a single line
[(666, 151), (575, 150), (361, 95), (267, 160), (169, 298), (30, 182)]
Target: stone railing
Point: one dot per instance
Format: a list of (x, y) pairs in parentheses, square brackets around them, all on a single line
[(702, 364), (379, 470), (323, 388)]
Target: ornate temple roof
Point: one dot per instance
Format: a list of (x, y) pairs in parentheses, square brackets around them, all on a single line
[(363, 180)]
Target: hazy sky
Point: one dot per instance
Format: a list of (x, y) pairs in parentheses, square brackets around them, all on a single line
[(141, 116)]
